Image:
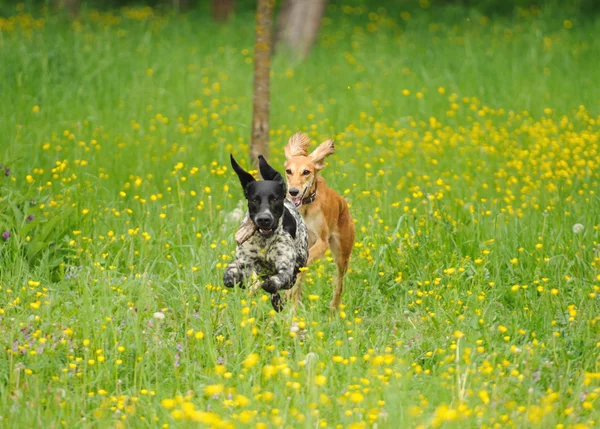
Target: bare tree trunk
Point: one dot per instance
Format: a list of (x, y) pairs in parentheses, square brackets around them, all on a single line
[(222, 9), (298, 24), (71, 5), (259, 144), (181, 5)]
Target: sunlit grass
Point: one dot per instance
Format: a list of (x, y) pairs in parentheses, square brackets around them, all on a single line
[(467, 147)]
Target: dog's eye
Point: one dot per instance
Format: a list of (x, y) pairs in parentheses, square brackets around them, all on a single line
[(305, 173), (288, 171)]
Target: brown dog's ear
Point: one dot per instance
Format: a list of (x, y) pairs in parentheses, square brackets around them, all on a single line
[(321, 152), (297, 145)]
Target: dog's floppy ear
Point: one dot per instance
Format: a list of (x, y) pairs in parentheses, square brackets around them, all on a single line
[(267, 172), (245, 177), (321, 152), (297, 145)]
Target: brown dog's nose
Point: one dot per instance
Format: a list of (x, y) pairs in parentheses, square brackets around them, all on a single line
[(293, 192)]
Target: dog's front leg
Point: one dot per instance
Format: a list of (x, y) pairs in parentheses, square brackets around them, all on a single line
[(235, 273), (317, 250), (281, 256), (282, 279)]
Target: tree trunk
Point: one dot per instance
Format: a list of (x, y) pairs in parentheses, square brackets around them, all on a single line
[(222, 9), (181, 5), (298, 24), (71, 5), (259, 144)]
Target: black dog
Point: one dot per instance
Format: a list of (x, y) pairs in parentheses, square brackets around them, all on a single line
[(279, 247)]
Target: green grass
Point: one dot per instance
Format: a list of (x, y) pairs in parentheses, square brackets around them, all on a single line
[(468, 148)]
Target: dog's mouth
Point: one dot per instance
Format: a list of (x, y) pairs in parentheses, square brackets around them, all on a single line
[(298, 200), (265, 232)]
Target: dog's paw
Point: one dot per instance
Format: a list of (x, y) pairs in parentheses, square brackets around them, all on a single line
[(271, 285), (277, 302), (231, 277), (228, 280)]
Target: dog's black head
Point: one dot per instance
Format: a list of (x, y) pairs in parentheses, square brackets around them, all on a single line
[(265, 197)]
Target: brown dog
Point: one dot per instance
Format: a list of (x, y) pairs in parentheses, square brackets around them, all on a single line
[(325, 212)]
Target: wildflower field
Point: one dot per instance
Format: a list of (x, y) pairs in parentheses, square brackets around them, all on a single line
[(467, 146)]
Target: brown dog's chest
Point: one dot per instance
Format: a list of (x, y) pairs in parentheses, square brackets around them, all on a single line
[(314, 224)]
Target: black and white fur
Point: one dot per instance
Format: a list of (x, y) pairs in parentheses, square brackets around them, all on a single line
[(279, 247)]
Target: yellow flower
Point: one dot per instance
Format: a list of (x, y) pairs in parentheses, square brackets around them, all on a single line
[(268, 371), (213, 389), (251, 360), (357, 397), (241, 400), (168, 403), (320, 380), (246, 416)]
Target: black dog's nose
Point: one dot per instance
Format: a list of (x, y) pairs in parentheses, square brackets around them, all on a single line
[(293, 192), (264, 221)]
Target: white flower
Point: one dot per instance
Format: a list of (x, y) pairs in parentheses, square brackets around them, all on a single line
[(159, 315), (236, 215), (310, 358), (577, 228)]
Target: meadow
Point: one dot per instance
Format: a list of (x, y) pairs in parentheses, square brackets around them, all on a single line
[(468, 148)]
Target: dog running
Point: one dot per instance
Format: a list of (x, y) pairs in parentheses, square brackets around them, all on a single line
[(324, 211), (279, 249)]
